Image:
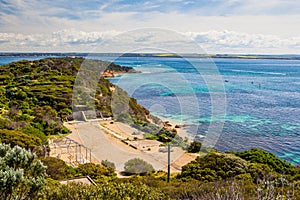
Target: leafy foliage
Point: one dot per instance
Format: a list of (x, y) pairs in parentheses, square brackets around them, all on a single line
[(214, 166), (108, 164), (195, 147), (17, 138), (95, 171), (57, 169), (109, 190), (30, 130), (261, 167), (150, 187), (137, 166), (21, 174), (256, 155)]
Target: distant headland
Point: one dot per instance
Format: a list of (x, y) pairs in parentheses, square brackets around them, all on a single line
[(170, 55)]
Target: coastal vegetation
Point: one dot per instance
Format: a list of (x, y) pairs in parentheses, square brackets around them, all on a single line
[(36, 97), (213, 175), (137, 166), (22, 175)]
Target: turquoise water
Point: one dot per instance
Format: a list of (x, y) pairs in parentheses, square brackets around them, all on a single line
[(262, 98)]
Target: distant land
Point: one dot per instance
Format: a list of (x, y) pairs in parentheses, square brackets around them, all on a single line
[(186, 55)]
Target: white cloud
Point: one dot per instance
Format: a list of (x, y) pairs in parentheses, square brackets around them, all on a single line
[(272, 7), (109, 41), (65, 40), (238, 42), (255, 25)]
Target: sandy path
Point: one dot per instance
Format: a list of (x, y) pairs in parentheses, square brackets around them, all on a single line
[(105, 147)]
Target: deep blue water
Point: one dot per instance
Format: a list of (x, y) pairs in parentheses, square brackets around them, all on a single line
[(8, 59), (262, 99)]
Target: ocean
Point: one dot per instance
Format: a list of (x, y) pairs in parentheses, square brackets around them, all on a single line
[(240, 103), (261, 97)]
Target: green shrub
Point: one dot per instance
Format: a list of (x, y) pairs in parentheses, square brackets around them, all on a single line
[(18, 138), (214, 166), (108, 190), (57, 169), (30, 130), (194, 147), (256, 155), (108, 164), (95, 171), (149, 136), (137, 166), (21, 174)]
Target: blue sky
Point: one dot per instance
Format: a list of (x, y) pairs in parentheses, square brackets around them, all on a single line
[(217, 26)]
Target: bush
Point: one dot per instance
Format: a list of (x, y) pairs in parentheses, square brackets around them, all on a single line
[(109, 190), (30, 130), (95, 171), (108, 164), (214, 166), (194, 147), (256, 155), (260, 171), (137, 166), (21, 139), (21, 174), (149, 136), (57, 169)]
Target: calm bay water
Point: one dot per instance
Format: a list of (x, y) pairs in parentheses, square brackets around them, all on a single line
[(262, 98)]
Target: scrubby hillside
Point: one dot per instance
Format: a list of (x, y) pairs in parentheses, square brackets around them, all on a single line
[(39, 94)]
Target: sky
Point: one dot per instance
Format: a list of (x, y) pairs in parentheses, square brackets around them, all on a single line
[(184, 26)]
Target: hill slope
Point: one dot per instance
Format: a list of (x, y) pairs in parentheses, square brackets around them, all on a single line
[(40, 93)]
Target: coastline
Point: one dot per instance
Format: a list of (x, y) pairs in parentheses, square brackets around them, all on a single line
[(181, 131)]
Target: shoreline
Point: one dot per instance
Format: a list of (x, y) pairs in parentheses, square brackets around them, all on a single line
[(181, 131)]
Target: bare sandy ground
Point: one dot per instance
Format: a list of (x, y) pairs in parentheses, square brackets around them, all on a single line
[(107, 145)]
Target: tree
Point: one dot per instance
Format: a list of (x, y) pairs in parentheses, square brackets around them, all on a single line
[(137, 166), (195, 147), (22, 175)]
